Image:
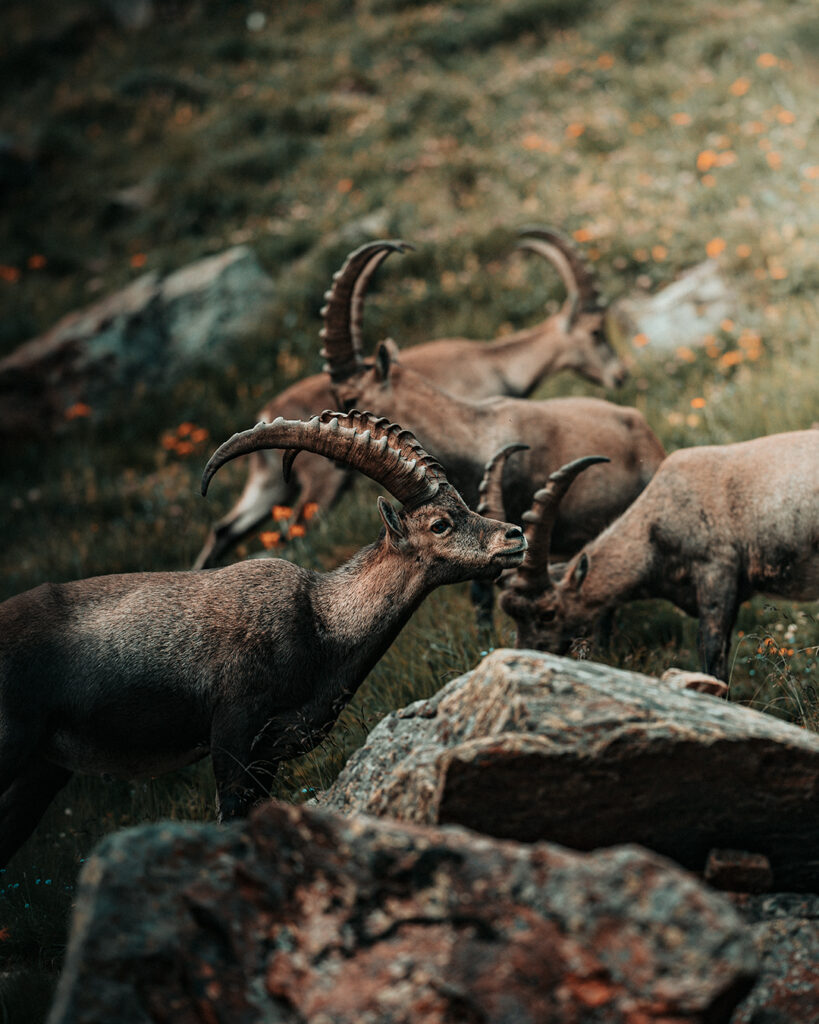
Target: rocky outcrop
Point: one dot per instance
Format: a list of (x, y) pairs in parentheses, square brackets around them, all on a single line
[(305, 916), (535, 747), (152, 331), (786, 934)]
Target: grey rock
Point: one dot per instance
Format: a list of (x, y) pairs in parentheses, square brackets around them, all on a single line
[(305, 916), (535, 747), (154, 330), (683, 312), (785, 927)]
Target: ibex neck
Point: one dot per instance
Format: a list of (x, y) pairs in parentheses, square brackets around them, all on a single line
[(363, 605), (619, 565), (523, 359)]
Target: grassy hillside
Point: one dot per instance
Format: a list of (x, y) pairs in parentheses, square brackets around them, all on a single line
[(654, 136)]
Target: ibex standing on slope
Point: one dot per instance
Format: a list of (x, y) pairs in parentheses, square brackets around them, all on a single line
[(573, 338), (715, 525), (143, 673), (463, 435)]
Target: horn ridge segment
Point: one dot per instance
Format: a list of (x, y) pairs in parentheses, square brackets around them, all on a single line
[(577, 278), (533, 572), (381, 450), (343, 311)]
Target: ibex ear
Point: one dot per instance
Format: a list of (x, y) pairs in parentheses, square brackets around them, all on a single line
[(385, 355), (395, 528), (580, 570)]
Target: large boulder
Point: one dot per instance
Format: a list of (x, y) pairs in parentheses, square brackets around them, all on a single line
[(154, 330), (305, 916), (531, 746)]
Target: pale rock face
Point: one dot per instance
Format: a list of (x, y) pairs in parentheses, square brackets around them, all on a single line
[(150, 332)]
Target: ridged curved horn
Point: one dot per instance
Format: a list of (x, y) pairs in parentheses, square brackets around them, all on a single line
[(578, 280), (342, 313), (491, 486), (381, 450), (533, 573)]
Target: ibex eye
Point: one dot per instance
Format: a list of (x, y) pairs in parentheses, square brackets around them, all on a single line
[(439, 526)]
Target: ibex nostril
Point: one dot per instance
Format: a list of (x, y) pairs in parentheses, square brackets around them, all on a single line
[(514, 533)]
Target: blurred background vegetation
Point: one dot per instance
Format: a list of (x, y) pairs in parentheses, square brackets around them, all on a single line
[(654, 135)]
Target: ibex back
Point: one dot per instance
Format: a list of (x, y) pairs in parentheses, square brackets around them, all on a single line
[(138, 674), (574, 338), (715, 525)]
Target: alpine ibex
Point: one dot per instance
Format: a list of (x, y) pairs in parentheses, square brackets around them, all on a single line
[(715, 525), (143, 673), (462, 434), (573, 338)]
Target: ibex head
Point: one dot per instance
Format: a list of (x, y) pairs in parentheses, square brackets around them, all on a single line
[(588, 350), (435, 531), (548, 612)]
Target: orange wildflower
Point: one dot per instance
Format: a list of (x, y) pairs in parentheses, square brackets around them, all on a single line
[(309, 511), (575, 130), (79, 410), (138, 260), (727, 324), (184, 448), (297, 530), (280, 512), (767, 60), (708, 180), (639, 340), (739, 87), (680, 117), (10, 274), (743, 251), (697, 403), (605, 61), (686, 354), (185, 428), (37, 261), (785, 116), (732, 358), (199, 435), (715, 247), (659, 252), (270, 539), (706, 160), (344, 185), (532, 141), (582, 235), (774, 160)]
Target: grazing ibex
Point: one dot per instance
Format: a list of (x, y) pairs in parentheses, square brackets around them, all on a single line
[(143, 673), (715, 525), (462, 434), (573, 338)]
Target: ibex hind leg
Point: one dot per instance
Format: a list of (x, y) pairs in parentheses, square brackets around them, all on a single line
[(717, 604), (24, 802)]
